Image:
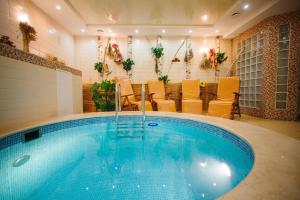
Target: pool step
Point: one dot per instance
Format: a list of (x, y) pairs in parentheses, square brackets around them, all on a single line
[(130, 130)]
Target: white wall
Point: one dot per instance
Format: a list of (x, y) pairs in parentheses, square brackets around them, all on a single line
[(59, 44), (31, 93), (86, 55)]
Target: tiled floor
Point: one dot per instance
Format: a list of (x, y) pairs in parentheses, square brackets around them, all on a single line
[(288, 128)]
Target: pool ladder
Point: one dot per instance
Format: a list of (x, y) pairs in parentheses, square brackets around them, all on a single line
[(129, 130)]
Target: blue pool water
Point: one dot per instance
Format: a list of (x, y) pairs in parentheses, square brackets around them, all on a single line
[(88, 159)]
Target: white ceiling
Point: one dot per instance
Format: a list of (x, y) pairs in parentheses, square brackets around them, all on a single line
[(150, 17)]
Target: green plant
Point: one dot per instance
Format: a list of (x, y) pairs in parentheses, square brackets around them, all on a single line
[(157, 51), (127, 64), (103, 95), (99, 66), (221, 57), (164, 78)]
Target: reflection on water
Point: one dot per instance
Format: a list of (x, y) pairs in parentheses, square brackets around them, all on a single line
[(90, 162)]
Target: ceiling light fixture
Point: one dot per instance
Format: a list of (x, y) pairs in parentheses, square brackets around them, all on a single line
[(23, 17), (246, 6), (58, 7), (163, 31), (136, 31), (82, 30), (190, 31), (52, 30), (217, 31), (204, 17)]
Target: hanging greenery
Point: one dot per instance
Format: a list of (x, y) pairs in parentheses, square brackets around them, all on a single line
[(164, 78), (28, 33), (127, 65), (221, 57), (99, 67), (157, 53)]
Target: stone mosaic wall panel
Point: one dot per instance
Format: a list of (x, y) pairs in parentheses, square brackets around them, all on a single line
[(270, 30)]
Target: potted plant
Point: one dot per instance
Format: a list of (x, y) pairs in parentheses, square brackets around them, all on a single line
[(103, 94), (127, 65), (157, 53)]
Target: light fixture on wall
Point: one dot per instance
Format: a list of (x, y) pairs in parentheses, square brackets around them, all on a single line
[(136, 31), (163, 31), (246, 6), (23, 17), (58, 7)]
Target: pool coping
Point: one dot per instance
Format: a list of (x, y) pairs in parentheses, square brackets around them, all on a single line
[(276, 170)]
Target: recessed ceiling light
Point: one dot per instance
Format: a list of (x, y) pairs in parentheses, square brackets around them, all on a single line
[(163, 31), (52, 30), (246, 6), (58, 7), (136, 31), (190, 31), (82, 30), (204, 17), (217, 31)]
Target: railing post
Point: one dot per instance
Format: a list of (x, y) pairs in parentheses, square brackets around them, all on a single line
[(117, 102), (143, 102)]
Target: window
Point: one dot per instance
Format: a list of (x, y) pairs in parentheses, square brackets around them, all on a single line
[(249, 67), (282, 67)]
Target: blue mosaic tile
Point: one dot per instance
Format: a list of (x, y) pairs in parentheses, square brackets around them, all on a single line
[(217, 131)]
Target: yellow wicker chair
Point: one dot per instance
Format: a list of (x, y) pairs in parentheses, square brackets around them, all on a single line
[(227, 98), (128, 99), (158, 97), (191, 102)]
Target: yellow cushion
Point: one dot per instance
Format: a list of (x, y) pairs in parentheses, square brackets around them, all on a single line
[(190, 89), (158, 88), (165, 105), (192, 106), (226, 87), (148, 106), (220, 108)]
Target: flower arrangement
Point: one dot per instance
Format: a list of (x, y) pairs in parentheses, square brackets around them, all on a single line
[(202, 84), (205, 63), (54, 59), (28, 33)]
